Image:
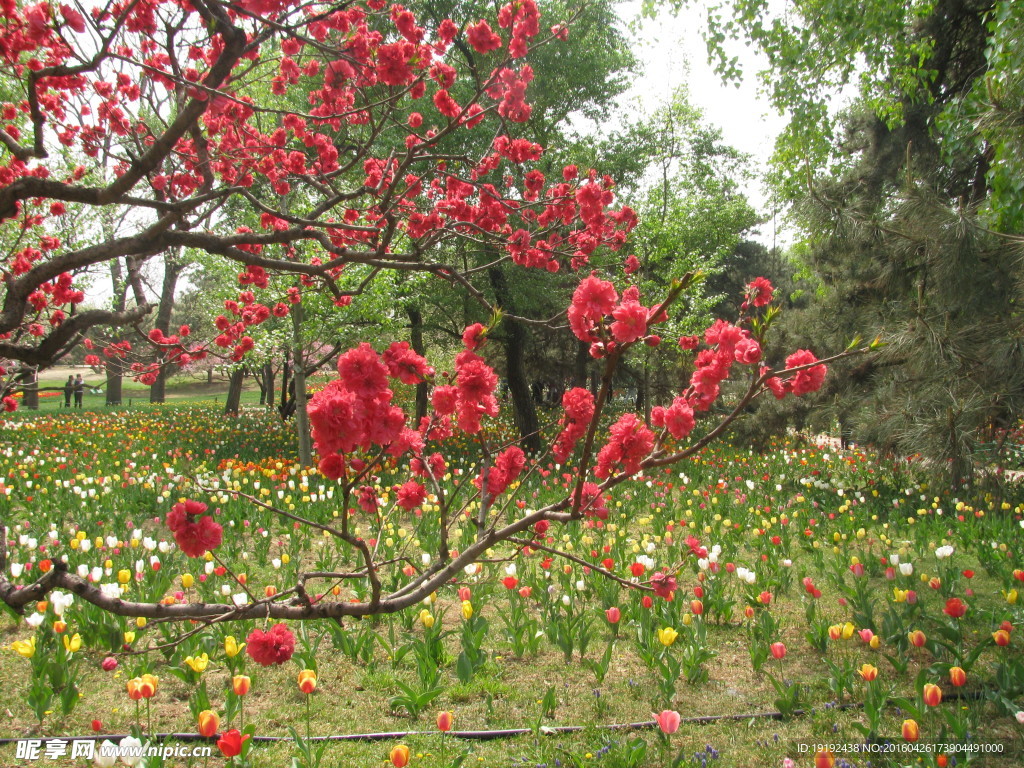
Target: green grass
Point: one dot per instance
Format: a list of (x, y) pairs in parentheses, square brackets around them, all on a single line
[(507, 692)]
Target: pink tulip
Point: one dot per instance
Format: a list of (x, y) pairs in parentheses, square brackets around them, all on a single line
[(668, 721), (613, 615)]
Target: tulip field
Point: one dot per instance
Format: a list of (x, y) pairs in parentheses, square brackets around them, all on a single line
[(835, 607)]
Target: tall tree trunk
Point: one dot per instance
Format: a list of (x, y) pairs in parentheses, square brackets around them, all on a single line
[(115, 379), (162, 322), (286, 372), (301, 416), (416, 340), (579, 372), (644, 391), (267, 398), (29, 382), (234, 391), (115, 366), (514, 339)]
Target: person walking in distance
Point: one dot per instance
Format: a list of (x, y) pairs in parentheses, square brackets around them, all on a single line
[(69, 388), (79, 391)]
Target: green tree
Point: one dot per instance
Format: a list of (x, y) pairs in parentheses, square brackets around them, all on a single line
[(910, 203)]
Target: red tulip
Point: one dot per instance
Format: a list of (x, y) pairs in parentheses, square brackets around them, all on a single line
[(444, 721), (230, 743), (955, 608), (613, 615), (778, 650)]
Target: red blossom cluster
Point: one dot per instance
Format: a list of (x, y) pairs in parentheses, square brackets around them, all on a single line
[(578, 404), (471, 397), (507, 467), (802, 382), (355, 411), (410, 495), (629, 443), (274, 646), (759, 293), (727, 344), (194, 532)]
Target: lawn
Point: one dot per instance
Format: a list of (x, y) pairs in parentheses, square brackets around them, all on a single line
[(791, 546)]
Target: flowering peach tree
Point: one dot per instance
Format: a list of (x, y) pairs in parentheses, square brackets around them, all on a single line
[(176, 116), (359, 431)]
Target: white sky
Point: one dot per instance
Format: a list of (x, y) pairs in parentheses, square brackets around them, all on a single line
[(673, 53)]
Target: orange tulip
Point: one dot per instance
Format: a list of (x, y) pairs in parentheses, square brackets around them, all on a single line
[(957, 676), (824, 758), (910, 730), (1001, 637), (868, 672), (399, 756), (932, 695), (134, 687), (209, 722), (240, 684), (148, 685), (917, 638), (307, 681)]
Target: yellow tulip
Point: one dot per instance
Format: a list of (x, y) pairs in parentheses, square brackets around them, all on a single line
[(848, 630), (1011, 596), (124, 576), (667, 636), (467, 610), (198, 664), (129, 637), (73, 643), (426, 618), (25, 648), (141, 621), (232, 647), (187, 580)]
